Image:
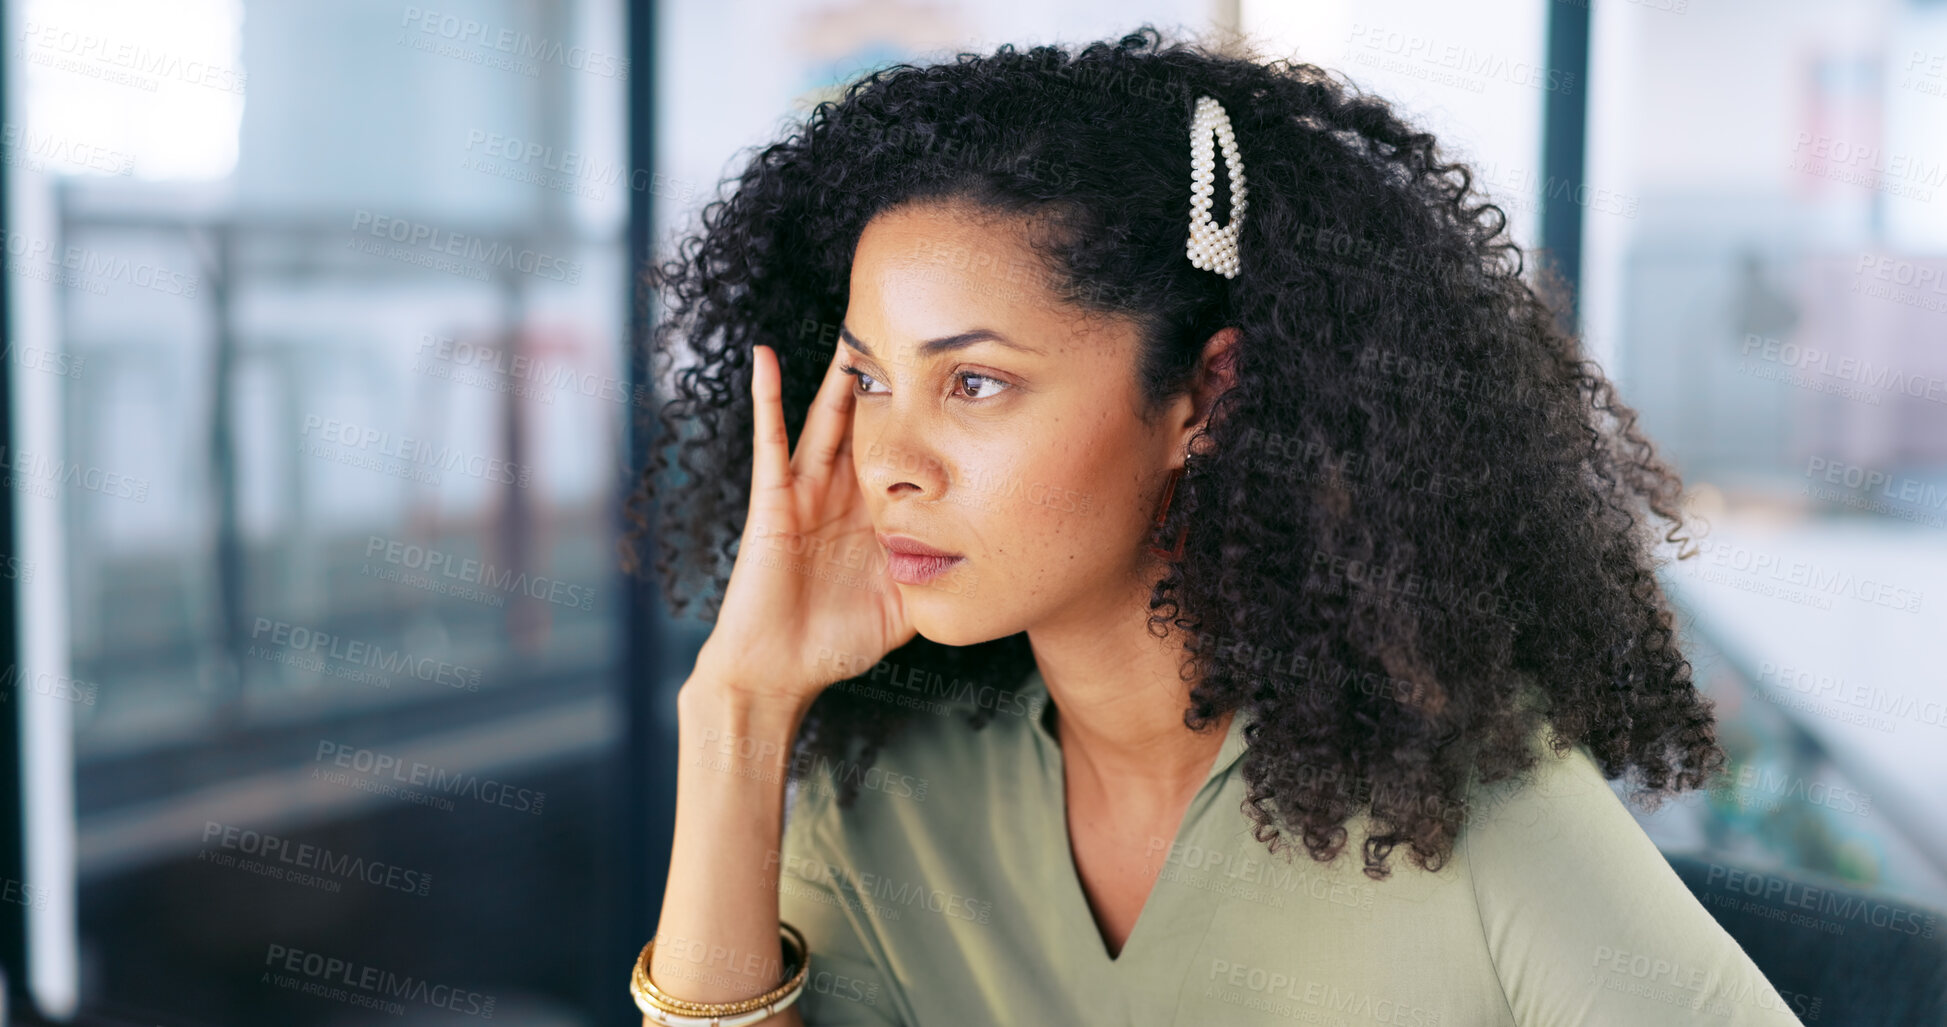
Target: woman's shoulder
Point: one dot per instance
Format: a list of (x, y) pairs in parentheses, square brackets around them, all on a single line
[(1561, 820), (1580, 910), (1564, 794)]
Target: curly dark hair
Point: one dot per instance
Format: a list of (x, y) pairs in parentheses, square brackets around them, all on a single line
[(1424, 525)]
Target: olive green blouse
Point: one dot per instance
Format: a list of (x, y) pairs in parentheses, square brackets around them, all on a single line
[(947, 896)]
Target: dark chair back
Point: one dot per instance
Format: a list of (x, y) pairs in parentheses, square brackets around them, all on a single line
[(1838, 954)]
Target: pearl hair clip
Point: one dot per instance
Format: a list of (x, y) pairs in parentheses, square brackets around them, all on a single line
[(1210, 247)]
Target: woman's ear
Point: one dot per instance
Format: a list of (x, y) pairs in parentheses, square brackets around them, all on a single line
[(1218, 372)]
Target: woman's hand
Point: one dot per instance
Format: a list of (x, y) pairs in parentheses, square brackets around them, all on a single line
[(809, 601), (795, 618)]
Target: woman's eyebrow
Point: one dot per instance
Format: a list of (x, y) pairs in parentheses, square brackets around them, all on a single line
[(946, 344)]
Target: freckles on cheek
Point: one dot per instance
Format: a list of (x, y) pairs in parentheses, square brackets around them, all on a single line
[(1059, 517), (1040, 548), (1049, 496), (1026, 521)]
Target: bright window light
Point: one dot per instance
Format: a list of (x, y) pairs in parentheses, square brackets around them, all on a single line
[(131, 87)]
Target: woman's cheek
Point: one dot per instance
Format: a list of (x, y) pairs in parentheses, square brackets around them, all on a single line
[(1060, 502), (1064, 516)]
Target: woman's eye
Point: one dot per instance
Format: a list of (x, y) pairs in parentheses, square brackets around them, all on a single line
[(987, 382), (862, 379), (965, 375)]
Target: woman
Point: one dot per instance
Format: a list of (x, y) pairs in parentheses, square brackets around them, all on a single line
[(1144, 461)]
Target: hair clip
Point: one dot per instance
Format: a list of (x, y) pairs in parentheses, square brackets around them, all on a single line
[(1210, 247)]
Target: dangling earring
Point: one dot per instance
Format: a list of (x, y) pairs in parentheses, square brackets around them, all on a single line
[(1162, 516)]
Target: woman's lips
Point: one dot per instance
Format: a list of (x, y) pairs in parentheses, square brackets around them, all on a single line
[(913, 569), (913, 562)]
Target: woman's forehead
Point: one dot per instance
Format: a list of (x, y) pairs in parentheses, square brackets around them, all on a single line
[(925, 272)]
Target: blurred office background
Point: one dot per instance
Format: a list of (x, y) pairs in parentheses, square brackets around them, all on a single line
[(320, 409)]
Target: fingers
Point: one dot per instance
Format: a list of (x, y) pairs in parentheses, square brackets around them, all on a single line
[(826, 426), (770, 459)]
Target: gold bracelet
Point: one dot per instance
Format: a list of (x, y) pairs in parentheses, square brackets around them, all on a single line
[(647, 995)]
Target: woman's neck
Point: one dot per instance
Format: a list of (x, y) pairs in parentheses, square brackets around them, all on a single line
[(1118, 712)]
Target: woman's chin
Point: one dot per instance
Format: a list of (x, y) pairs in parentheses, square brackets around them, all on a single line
[(945, 618), (940, 626)]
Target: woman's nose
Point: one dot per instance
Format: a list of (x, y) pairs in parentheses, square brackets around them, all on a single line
[(895, 464)]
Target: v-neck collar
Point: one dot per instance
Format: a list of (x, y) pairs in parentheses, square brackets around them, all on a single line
[(1069, 882), (1035, 691)]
